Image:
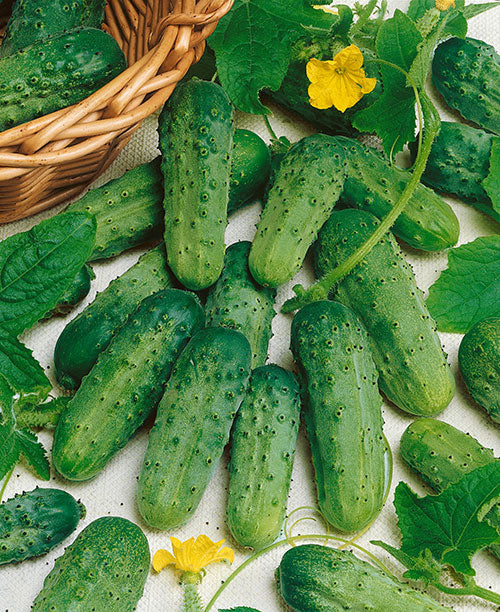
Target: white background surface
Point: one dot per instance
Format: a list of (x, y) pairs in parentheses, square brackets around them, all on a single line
[(113, 491)]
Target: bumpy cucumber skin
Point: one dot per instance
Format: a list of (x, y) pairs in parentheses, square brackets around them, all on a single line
[(104, 569), (412, 366), (196, 136), (306, 188), (31, 86), (466, 73), (342, 410), (427, 222), (263, 443), (32, 21), (125, 384), (314, 578), (479, 359), (33, 523), (441, 454), (238, 302), (192, 425), (90, 332)]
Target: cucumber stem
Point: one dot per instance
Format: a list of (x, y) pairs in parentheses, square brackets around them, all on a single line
[(6, 481), (192, 601), (269, 127)]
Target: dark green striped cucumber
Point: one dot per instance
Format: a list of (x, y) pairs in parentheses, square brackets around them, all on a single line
[(89, 333), (313, 578), (372, 184), (458, 163), (32, 21), (32, 86), (479, 359), (192, 425), (466, 73), (306, 188), (238, 302), (75, 293), (105, 568), (342, 410), (263, 443), (196, 136), (414, 373), (441, 454), (33, 523), (125, 384)]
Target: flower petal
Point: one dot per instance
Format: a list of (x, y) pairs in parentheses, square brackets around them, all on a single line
[(317, 70), (347, 94), (161, 559), (349, 58)]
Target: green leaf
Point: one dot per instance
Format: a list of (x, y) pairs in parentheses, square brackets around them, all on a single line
[(34, 453), (9, 445), (420, 65), (450, 524), (469, 289), (422, 568), (491, 183), (471, 10), (37, 266), (240, 609)]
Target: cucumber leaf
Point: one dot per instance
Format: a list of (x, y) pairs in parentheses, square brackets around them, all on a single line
[(37, 266), (491, 183), (240, 609), (469, 289), (9, 444), (34, 453), (471, 10)]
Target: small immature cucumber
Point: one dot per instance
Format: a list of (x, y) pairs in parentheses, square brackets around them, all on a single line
[(263, 442), (196, 136), (342, 410), (44, 415), (466, 73), (105, 568), (441, 454), (32, 21), (414, 373), (238, 302), (125, 384), (479, 359), (30, 86), (89, 333), (35, 522), (75, 293), (305, 190), (192, 425), (313, 578)]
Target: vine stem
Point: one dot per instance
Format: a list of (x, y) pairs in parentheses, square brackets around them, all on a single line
[(269, 127), (470, 588), (6, 481)]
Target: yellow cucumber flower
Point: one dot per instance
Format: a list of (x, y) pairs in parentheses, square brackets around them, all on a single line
[(340, 82), (444, 5), (193, 555), (327, 8)]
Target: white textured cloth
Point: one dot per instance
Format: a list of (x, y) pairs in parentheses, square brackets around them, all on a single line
[(113, 491)]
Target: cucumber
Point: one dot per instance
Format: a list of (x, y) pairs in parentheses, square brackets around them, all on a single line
[(125, 384), (263, 443), (479, 360), (466, 73), (90, 332), (35, 522), (55, 73), (44, 415), (342, 410), (412, 366), (313, 578), (196, 136), (441, 454), (75, 293), (32, 21), (458, 163), (238, 302), (105, 568), (307, 186), (192, 425)]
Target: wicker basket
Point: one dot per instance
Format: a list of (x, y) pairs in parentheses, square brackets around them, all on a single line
[(52, 159)]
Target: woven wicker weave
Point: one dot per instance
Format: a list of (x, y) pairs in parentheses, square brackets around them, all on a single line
[(52, 159)]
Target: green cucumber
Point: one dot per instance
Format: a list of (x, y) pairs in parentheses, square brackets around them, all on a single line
[(313, 578), (479, 359), (125, 384), (382, 291), (192, 425), (263, 442), (307, 186), (56, 73), (75, 293), (343, 413), (441, 454), (238, 302), (32, 21), (33, 523), (89, 333), (466, 73), (44, 415), (105, 568), (196, 136)]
